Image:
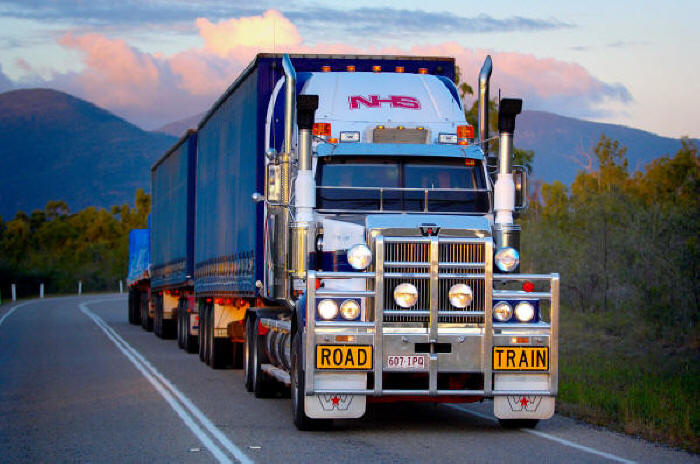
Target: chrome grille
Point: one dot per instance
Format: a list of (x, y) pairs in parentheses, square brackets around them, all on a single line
[(464, 261)]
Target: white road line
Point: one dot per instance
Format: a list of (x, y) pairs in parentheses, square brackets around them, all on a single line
[(163, 385), (547, 436), (12, 310)]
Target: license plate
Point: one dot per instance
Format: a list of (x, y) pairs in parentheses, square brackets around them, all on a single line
[(520, 358), (412, 362), (343, 357)]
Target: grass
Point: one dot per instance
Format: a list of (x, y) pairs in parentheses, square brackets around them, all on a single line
[(614, 373)]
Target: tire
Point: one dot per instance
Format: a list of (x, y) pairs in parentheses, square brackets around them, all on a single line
[(134, 307), (202, 331), (518, 423), (248, 352), (301, 420), (263, 385), (146, 322)]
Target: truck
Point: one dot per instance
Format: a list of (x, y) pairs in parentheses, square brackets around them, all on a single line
[(138, 275), (354, 242)]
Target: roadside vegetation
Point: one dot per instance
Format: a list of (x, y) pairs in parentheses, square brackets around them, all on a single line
[(59, 248), (626, 246)]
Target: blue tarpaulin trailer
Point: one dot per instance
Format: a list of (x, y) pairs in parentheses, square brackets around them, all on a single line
[(139, 255)]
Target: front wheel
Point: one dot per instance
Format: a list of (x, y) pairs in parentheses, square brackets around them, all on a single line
[(301, 420), (518, 423)]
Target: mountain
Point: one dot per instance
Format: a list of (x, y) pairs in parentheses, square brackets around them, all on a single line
[(562, 143), (54, 146), (178, 128)]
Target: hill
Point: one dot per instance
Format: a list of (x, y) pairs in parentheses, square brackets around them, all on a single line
[(178, 128), (54, 146), (561, 143)]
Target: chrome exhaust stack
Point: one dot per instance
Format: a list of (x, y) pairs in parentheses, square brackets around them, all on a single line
[(484, 78), (290, 82), (303, 230), (506, 232)]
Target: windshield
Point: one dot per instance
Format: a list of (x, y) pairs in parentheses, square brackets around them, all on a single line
[(401, 184)]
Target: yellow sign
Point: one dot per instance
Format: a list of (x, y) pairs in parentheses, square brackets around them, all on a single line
[(520, 358), (343, 357)]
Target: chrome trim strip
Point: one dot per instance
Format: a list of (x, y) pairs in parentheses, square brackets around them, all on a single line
[(310, 366), (328, 391), (343, 293), (487, 341), (378, 340), (344, 324), (434, 299), (519, 295), (554, 336)]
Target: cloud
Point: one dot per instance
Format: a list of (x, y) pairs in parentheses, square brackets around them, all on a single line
[(153, 89)]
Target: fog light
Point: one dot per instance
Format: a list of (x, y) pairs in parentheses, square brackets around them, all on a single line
[(460, 295), (350, 310), (524, 311), (502, 311), (359, 256), (405, 295), (328, 309)]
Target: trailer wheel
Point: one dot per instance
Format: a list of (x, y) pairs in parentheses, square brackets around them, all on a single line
[(301, 420), (146, 322), (248, 352), (518, 423), (263, 385)]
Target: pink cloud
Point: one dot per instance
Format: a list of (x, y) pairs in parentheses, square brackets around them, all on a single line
[(162, 88)]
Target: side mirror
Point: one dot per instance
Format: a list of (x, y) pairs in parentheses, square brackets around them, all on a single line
[(271, 154), (258, 197), (521, 191), (273, 183)]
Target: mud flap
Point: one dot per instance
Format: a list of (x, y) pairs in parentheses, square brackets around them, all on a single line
[(522, 406), (332, 406), (193, 324)]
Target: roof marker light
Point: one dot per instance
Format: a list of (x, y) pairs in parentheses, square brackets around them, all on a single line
[(325, 68), (350, 68), (399, 69), (333, 140), (422, 70), (376, 68), (465, 135)]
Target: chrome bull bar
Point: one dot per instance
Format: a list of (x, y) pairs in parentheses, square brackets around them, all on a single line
[(375, 329)]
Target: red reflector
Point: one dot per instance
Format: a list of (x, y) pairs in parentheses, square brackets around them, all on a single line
[(262, 330), (196, 318), (208, 300), (528, 286), (229, 301), (322, 129), (422, 70), (399, 69), (318, 284), (326, 68), (219, 301), (350, 68), (376, 68)]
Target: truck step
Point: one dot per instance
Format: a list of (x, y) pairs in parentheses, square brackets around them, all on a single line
[(277, 373)]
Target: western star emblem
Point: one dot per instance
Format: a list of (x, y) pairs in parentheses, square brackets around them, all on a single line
[(524, 403), (331, 402)]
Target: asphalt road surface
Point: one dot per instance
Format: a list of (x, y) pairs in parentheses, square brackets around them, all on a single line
[(78, 383)]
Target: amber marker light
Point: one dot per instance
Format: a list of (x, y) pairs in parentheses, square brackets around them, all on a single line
[(376, 68), (422, 70), (399, 69), (350, 68), (326, 68)]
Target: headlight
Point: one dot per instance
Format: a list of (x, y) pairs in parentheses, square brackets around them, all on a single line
[(524, 311), (502, 311), (328, 309), (350, 310), (405, 295), (460, 295), (507, 259), (359, 256)]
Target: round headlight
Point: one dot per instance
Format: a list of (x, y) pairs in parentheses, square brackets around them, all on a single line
[(502, 311), (460, 295), (507, 259), (328, 309), (350, 310), (524, 311), (405, 295), (359, 256)]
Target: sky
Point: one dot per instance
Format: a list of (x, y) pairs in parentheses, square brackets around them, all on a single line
[(152, 62)]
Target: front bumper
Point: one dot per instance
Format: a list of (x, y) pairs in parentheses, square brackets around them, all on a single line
[(465, 349)]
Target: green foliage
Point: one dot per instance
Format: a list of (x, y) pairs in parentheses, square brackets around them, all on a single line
[(626, 246), (59, 248)]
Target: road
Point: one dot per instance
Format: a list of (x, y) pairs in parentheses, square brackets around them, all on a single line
[(78, 383)]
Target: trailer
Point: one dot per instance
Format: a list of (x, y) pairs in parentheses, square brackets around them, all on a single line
[(138, 277), (172, 245), (354, 243)]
